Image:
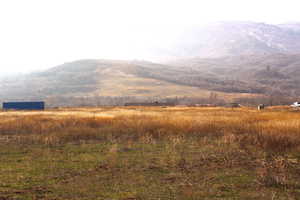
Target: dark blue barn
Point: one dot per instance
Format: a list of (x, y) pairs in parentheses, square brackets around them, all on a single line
[(38, 105)]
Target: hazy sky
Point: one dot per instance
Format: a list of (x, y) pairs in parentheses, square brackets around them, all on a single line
[(37, 34)]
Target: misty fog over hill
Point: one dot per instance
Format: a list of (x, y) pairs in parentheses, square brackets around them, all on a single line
[(237, 38), (227, 58)]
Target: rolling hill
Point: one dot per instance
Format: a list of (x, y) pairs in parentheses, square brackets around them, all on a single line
[(229, 77), (254, 73), (230, 59), (90, 78)]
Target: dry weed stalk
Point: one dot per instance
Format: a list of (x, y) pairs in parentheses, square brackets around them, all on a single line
[(274, 171)]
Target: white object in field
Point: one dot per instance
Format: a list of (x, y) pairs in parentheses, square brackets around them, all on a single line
[(260, 107), (296, 104)]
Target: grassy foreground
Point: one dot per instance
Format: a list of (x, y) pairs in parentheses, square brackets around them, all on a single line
[(150, 153)]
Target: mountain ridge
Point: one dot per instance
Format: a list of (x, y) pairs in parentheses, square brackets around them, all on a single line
[(263, 59), (222, 39)]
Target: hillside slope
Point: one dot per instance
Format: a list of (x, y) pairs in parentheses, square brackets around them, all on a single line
[(229, 77), (89, 78), (231, 59), (264, 73)]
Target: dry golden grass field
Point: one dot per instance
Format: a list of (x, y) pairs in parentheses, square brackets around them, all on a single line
[(152, 153)]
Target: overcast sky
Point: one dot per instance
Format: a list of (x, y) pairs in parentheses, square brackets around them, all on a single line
[(38, 34)]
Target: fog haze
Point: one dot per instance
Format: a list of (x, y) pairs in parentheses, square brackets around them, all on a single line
[(36, 35)]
